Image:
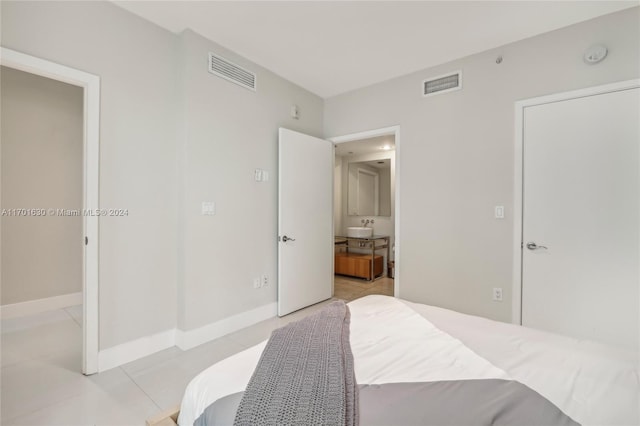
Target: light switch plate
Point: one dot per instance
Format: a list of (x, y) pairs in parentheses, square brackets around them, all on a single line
[(499, 212), (260, 175), (208, 208), (295, 112)]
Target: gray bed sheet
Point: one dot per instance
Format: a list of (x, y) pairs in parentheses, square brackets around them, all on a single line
[(444, 403)]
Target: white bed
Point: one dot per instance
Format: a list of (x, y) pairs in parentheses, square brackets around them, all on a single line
[(397, 341)]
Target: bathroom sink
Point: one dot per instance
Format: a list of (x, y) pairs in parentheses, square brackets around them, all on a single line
[(359, 232)]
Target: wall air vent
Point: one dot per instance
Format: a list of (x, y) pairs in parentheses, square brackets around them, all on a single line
[(442, 84), (232, 72)]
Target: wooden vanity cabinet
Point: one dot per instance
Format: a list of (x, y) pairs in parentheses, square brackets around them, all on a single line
[(358, 265)]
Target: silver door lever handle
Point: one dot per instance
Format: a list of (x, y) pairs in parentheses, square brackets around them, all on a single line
[(285, 239), (534, 246)]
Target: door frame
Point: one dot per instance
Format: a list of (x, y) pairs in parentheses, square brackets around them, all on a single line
[(518, 221), (384, 131), (91, 164)]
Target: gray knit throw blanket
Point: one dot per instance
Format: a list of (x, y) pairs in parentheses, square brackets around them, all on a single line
[(305, 375)]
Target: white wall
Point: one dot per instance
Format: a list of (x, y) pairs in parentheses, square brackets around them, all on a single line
[(229, 132), (41, 169), (139, 105), (457, 154), (172, 136)]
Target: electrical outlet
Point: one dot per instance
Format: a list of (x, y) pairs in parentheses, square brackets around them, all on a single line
[(256, 283), (497, 294), (265, 281)]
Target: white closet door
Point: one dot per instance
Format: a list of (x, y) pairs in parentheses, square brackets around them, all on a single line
[(580, 201)]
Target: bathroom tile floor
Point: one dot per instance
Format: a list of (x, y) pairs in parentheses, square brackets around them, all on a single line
[(41, 382), (349, 289)]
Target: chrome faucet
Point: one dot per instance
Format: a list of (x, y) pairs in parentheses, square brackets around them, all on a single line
[(366, 222)]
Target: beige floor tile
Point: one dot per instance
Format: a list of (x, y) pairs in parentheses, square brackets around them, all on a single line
[(203, 356), (35, 384), (111, 398), (349, 289), (76, 313), (33, 321), (142, 364), (254, 334), (165, 381), (41, 339)]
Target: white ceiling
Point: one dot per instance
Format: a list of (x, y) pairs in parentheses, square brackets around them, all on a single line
[(365, 146), (381, 164), (334, 47)]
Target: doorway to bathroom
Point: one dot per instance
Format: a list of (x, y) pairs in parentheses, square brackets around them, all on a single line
[(366, 202)]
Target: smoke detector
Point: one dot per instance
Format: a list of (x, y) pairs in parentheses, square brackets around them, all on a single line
[(595, 54)]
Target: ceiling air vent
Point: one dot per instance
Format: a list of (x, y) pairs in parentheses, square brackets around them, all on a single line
[(232, 72), (442, 84)]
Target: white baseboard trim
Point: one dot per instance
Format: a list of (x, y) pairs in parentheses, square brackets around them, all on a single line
[(136, 349), (144, 346), (191, 338), (33, 307)]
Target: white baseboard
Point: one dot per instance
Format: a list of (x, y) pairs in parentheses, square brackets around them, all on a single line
[(139, 348), (33, 307), (189, 339), (136, 349)]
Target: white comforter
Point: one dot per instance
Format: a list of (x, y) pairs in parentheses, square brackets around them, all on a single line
[(393, 341)]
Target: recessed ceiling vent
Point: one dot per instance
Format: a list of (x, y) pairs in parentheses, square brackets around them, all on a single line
[(232, 72), (442, 84)]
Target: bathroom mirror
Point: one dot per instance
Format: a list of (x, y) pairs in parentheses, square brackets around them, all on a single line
[(369, 191)]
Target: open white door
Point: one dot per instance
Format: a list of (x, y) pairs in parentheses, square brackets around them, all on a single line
[(305, 220)]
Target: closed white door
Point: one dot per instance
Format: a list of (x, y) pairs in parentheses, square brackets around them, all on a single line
[(305, 220), (580, 272)]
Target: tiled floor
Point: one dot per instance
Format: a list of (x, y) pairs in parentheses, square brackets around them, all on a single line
[(352, 288), (41, 382)]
